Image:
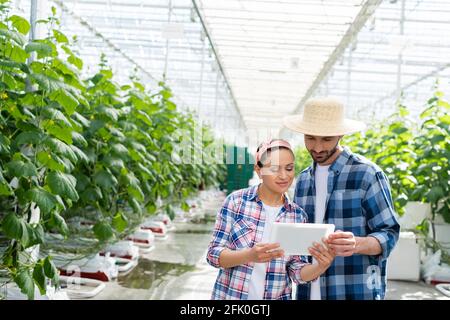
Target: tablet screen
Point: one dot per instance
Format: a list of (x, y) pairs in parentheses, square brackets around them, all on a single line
[(296, 238)]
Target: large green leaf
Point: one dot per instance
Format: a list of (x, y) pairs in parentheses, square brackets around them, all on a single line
[(42, 49), (13, 65), (54, 114), (435, 194), (119, 222), (66, 163), (44, 199), (18, 168), (59, 222), (60, 147), (28, 137), (135, 205), (63, 184), (91, 194), (12, 226), (63, 133), (35, 234), (114, 162), (103, 231), (105, 179), (39, 278), (5, 188), (25, 282), (136, 192), (4, 144), (85, 122), (144, 117), (144, 171), (47, 83), (77, 62), (64, 67), (21, 24), (79, 139), (60, 37), (111, 113), (132, 180), (13, 35), (117, 133), (120, 150), (65, 99), (80, 154), (10, 81), (15, 53), (50, 160), (49, 268)]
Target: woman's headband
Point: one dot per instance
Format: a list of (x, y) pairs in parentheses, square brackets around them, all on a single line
[(269, 145)]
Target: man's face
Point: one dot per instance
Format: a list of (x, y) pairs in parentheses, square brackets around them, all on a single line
[(321, 148)]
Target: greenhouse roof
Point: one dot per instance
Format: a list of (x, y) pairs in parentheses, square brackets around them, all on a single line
[(244, 64), (275, 52)]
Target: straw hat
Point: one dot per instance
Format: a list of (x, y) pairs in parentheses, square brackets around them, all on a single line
[(323, 117)]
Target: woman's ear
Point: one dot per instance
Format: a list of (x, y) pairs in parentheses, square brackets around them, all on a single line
[(258, 170)]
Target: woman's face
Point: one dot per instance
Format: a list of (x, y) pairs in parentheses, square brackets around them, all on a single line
[(278, 170)]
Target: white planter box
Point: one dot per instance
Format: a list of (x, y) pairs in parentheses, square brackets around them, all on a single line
[(414, 214), (442, 231), (404, 261)]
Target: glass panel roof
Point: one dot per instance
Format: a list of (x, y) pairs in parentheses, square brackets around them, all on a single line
[(400, 52), (244, 64), (272, 51)]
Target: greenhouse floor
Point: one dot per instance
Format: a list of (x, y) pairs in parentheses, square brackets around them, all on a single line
[(176, 269)]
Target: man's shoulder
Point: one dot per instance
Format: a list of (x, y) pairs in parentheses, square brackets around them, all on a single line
[(298, 210), (358, 162), (304, 173)]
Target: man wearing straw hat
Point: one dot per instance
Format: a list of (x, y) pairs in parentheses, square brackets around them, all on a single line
[(352, 193)]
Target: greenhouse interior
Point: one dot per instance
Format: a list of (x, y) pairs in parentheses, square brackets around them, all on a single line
[(130, 131)]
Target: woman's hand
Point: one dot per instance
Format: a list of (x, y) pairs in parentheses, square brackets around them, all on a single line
[(323, 255), (264, 252)]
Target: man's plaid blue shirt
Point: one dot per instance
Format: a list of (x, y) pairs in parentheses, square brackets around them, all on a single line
[(358, 201)]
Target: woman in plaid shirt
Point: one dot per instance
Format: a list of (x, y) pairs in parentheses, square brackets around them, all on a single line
[(251, 268)]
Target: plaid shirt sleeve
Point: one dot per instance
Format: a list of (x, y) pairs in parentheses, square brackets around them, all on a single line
[(294, 266), (380, 214), (221, 232)]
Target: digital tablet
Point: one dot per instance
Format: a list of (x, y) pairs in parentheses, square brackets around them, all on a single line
[(296, 238)]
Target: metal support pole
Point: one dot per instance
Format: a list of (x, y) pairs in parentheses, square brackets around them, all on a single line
[(166, 62), (400, 56), (349, 75), (33, 18), (216, 98), (32, 36), (202, 67)]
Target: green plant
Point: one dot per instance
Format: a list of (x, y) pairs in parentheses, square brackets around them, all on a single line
[(74, 148), (37, 153), (302, 159), (390, 144), (432, 168)]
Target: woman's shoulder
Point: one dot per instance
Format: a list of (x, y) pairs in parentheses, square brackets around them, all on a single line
[(245, 193), (240, 195)]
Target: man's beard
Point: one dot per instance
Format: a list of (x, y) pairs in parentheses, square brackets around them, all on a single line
[(325, 155)]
